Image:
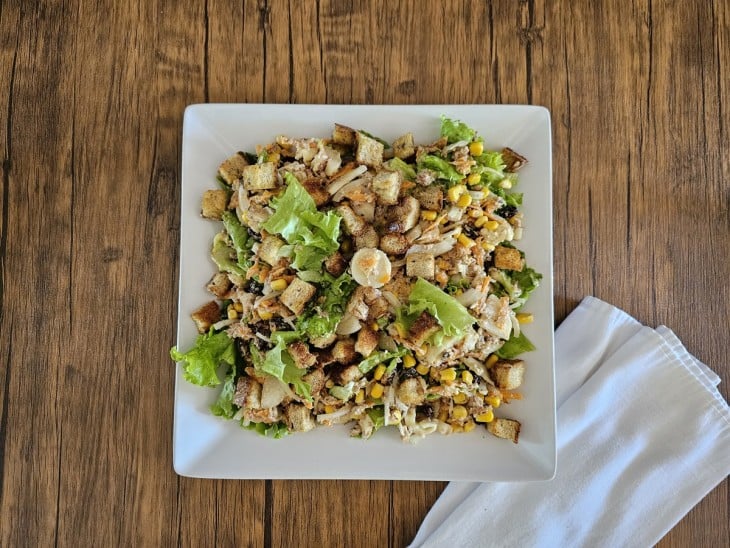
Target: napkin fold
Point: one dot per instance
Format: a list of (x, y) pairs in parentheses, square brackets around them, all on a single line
[(643, 436)]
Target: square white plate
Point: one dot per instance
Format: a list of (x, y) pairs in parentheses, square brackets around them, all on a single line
[(209, 447)]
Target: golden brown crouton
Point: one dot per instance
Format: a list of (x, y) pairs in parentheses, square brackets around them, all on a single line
[(430, 197), (369, 151), (324, 341), (214, 204), (206, 315), (505, 428), (349, 374), (394, 244), (248, 393), (219, 284), (299, 418), (508, 374), (335, 264), (378, 308), (404, 146), (259, 176), (508, 257), (354, 224), (512, 160), (269, 248), (315, 380), (344, 351), (343, 135), (317, 191), (231, 169), (412, 391), (367, 341), (424, 326), (324, 357), (297, 295), (303, 358), (367, 238), (406, 213), (386, 184), (421, 264)]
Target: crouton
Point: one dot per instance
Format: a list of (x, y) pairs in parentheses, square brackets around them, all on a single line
[(386, 185), (296, 296), (348, 374), (421, 264), (259, 176), (354, 224), (324, 357), (298, 418), (368, 238), (508, 374), (369, 151), (323, 342), (378, 309), (303, 358), (424, 326), (367, 341), (214, 204), (404, 146), (315, 380), (269, 248), (344, 351), (508, 257), (343, 135), (412, 391), (206, 315), (394, 244), (505, 428), (248, 393), (317, 191), (335, 264), (219, 285), (406, 213), (430, 197), (232, 168), (512, 160)]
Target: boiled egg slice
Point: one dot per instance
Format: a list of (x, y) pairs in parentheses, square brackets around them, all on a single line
[(370, 267)]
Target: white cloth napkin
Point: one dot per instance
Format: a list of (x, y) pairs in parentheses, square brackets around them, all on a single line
[(643, 436)]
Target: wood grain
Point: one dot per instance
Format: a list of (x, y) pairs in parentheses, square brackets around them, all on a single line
[(92, 96)]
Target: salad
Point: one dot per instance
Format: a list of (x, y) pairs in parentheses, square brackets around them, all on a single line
[(367, 283)]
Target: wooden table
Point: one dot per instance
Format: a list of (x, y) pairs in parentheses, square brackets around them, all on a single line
[(92, 96)]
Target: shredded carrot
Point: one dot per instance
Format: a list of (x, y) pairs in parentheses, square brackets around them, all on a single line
[(408, 184), (509, 395)]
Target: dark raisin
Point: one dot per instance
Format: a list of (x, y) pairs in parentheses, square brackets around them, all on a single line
[(408, 373), (425, 410), (470, 231), (506, 211), (255, 235), (253, 286)]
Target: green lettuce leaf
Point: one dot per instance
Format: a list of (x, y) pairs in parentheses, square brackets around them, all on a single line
[(238, 235), (455, 131), (222, 255), (223, 407), (277, 430), (379, 357), (515, 346), (452, 316), (407, 170), (442, 168), (279, 363), (343, 393), (202, 360), (377, 415), (322, 320)]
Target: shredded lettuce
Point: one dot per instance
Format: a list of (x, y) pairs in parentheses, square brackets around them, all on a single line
[(515, 346), (377, 358), (223, 407), (517, 285), (202, 360), (222, 255), (377, 415), (343, 393), (451, 315), (443, 169), (320, 321), (277, 430), (279, 363), (396, 164), (238, 235), (455, 130)]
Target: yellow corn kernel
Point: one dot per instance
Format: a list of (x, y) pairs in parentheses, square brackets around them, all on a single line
[(422, 369), (474, 179), (238, 307), (494, 401), (469, 426), (376, 391), (232, 314), (443, 414), (409, 361), (481, 221), (360, 396), (330, 383), (525, 317), (464, 200), (467, 377), (401, 330), (476, 212), (448, 374), (505, 183), (329, 409), (459, 412), (266, 314), (465, 240), (491, 225), (491, 360), (487, 247), (428, 215), (476, 148), (443, 220), (374, 326), (461, 398), (455, 193), (456, 429), (379, 372), (279, 285), (487, 416)]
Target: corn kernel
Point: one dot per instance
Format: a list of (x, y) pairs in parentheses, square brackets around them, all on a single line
[(467, 377), (525, 317), (376, 391), (443, 220), (330, 383), (422, 369), (266, 314), (476, 212), (279, 285), (409, 361), (360, 396), (506, 184), (238, 307), (374, 326), (456, 429), (232, 314), (494, 401), (459, 412), (464, 200), (455, 192), (329, 409), (491, 225), (476, 148), (379, 372), (465, 240), (487, 247), (461, 398), (401, 330), (443, 414), (448, 374), (469, 426), (487, 416), (491, 360), (428, 215), (474, 179), (481, 221)]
